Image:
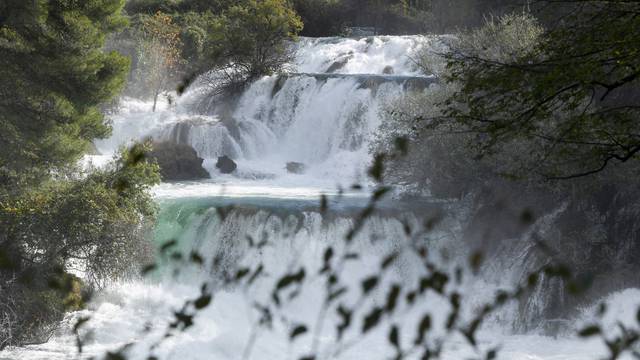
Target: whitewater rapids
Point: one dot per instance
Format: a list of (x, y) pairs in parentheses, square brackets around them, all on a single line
[(323, 114)]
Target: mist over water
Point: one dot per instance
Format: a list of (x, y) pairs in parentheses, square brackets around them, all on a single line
[(323, 115)]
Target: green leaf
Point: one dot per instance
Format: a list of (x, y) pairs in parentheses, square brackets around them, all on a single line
[(290, 279), (196, 258), (394, 337), (351, 256), (411, 297), (369, 284), (148, 268), (423, 327), (372, 319), (392, 298), (255, 274), (377, 169), (183, 319), (336, 294), (491, 354), (297, 331), (589, 331), (114, 356), (242, 273), (202, 302), (380, 192), (328, 254), (168, 245), (345, 315), (286, 281), (386, 262)]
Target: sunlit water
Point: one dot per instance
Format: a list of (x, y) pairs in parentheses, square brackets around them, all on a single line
[(326, 123)]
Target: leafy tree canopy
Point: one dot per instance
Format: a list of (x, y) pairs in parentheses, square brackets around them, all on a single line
[(250, 35), (53, 77), (568, 98)]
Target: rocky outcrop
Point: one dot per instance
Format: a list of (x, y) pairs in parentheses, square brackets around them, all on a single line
[(388, 70), (296, 167), (226, 165), (337, 65), (340, 63), (178, 162)]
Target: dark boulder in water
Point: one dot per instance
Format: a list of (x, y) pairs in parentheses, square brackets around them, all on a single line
[(337, 65), (226, 165), (340, 62), (296, 167), (388, 70), (178, 162)]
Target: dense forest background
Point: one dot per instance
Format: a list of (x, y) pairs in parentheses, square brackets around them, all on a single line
[(537, 111)]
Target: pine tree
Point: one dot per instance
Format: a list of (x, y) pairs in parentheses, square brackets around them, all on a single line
[(53, 77)]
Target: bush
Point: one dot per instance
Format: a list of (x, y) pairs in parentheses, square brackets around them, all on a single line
[(321, 17), (462, 150), (97, 225), (250, 40)]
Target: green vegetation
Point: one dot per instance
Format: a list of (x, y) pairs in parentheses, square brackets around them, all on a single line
[(395, 17), (568, 96), (540, 111), (97, 225), (159, 53), (53, 78), (233, 42), (535, 115), (336, 17), (252, 35)]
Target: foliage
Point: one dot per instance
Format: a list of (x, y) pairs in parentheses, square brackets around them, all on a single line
[(97, 225), (321, 17), (396, 17), (333, 17), (159, 53), (150, 7), (177, 6), (232, 41), (568, 95), (497, 168), (377, 303), (53, 76), (249, 40)]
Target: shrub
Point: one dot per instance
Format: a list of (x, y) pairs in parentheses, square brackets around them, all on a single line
[(96, 225), (250, 40)]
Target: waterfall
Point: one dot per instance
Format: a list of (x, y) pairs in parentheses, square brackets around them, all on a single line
[(321, 113)]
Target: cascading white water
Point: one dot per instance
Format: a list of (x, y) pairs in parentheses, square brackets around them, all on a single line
[(323, 115), (322, 120)]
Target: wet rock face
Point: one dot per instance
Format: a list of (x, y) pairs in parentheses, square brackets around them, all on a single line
[(337, 65), (178, 162), (226, 165), (296, 167)]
